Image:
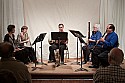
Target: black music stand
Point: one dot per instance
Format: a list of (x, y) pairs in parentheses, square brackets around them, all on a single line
[(59, 36), (81, 41), (76, 33), (39, 38)]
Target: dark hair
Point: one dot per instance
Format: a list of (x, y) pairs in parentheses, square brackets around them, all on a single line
[(6, 49), (112, 27), (61, 24), (10, 28)]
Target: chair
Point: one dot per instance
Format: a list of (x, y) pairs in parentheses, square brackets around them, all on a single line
[(66, 54)]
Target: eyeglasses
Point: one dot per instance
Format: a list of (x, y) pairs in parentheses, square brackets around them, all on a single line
[(60, 27), (108, 28)]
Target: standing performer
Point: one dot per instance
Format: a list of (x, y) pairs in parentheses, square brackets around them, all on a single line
[(96, 35), (55, 46)]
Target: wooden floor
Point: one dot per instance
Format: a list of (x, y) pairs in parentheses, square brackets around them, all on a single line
[(63, 73)]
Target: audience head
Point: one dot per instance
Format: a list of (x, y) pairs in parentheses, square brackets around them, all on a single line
[(6, 50), (24, 29), (61, 27), (110, 28), (96, 27), (116, 56), (11, 28)]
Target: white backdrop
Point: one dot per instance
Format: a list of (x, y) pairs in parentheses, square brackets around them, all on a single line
[(45, 15)]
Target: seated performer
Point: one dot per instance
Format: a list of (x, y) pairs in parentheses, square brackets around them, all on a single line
[(24, 42), (55, 46), (10, 37), (100, 53), (96, 35)]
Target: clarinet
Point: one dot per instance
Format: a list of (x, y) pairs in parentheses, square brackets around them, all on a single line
[(98, 41)]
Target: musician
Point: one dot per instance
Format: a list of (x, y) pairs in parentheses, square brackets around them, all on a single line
[(23, 38), (100, 53), (24, 42), (55, 46), (10, 37), (96, 35)]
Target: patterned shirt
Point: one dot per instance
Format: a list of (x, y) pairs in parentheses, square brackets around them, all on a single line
[(110, 74)]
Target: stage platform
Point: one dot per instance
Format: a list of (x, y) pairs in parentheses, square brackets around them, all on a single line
[(62, 72)]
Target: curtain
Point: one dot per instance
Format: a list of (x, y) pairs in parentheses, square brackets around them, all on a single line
[(43, 16), (12, 13), (113, 11)]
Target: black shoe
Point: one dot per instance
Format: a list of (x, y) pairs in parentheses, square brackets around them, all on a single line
[(37, 62), (53, 60), (93, 66), (49, 61), (62, 63), (84, 62)]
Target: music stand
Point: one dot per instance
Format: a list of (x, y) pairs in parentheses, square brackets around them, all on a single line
[(39, 39), (74, 32), (81, 41), (59, 36)]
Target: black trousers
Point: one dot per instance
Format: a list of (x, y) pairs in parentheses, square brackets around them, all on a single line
[(31, 54), (22, 55), (100, 56), (53, 47), (26, 55), (86, 52)]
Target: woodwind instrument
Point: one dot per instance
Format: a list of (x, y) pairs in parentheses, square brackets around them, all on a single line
[(99, 41)]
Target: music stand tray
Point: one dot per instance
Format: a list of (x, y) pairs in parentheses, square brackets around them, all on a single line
[(59, 36), (76, 33)]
